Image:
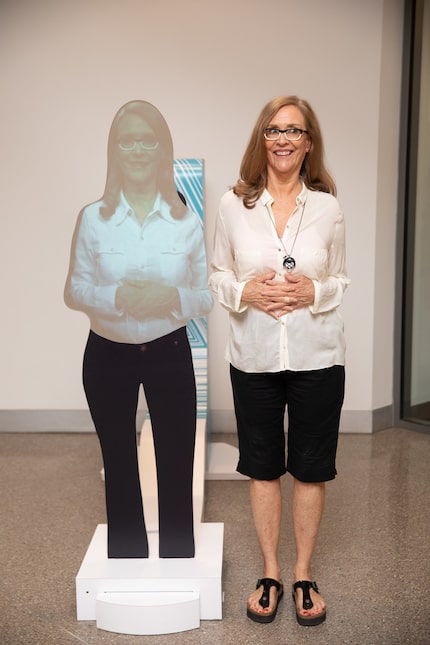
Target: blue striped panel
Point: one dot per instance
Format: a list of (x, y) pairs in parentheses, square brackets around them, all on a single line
[(189, 181)]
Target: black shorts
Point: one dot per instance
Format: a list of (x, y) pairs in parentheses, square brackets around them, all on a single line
[(313, 400)]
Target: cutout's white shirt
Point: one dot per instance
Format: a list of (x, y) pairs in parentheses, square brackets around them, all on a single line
[(163, 249)]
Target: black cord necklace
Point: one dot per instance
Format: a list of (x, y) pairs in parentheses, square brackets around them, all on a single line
[(289, 262)]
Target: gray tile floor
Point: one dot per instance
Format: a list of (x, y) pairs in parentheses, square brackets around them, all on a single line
[(372, 562)]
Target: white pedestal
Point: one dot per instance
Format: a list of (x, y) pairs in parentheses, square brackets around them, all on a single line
[(152, 595), (148, 613), (222, 462)]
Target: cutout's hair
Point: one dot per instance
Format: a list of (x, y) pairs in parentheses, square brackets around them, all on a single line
[(253, 169)]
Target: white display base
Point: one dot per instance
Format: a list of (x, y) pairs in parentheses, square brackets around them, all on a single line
[(152, 595), (148, 612), (222, 462)]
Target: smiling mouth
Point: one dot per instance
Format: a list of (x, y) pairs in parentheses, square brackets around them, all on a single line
[(283, 153)]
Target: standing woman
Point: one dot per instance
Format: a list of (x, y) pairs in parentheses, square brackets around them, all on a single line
[(138, 269), (279, 270)]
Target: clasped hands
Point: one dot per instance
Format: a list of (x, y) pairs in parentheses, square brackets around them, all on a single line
[(279, 297), (146, 299)]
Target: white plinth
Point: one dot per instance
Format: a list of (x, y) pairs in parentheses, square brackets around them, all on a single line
[(148, 612), (222, 462), (168, 589)]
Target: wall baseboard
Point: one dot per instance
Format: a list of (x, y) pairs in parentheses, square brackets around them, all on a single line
[(352, 421), (51, 420)]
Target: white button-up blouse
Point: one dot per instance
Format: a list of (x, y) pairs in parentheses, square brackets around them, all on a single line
[(163, 249), (246, 245)]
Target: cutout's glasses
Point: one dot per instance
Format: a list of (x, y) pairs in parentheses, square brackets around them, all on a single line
[(148, 143)]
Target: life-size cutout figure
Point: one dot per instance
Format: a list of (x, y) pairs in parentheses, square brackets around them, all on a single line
[(138, 269)]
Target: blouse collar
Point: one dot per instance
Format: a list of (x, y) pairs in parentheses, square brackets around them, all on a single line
[(266, 198), (124, 210)]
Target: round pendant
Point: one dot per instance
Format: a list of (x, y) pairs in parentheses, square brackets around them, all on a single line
[(289, 263)]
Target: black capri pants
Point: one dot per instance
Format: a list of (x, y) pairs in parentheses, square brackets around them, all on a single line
[(113, 373), (313, 400)]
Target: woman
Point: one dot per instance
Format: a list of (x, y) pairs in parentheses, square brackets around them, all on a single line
[(279, 269), (138, 269)]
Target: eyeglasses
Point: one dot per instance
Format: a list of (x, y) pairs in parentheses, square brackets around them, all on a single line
[(147, 143), (292, 134)]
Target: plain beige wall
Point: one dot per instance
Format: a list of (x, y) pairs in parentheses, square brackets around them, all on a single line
[(67, 66)]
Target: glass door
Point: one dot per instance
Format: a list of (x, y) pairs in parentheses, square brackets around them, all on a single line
[(415, 314)]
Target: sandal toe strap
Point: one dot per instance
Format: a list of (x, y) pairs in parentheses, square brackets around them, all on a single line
[(267, 583), (306, 586)]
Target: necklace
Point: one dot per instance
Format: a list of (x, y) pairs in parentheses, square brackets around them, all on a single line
[(289, 262)]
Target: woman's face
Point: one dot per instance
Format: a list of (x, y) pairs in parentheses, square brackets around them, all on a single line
[(285, 157), (138, 150)]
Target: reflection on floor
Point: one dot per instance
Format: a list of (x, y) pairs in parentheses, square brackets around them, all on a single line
[(372, 562)]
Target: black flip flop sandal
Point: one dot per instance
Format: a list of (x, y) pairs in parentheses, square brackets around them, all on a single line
[(307, 621), (265, 600)]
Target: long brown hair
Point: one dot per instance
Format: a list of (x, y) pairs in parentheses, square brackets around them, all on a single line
[(253, 169), (165, 179)]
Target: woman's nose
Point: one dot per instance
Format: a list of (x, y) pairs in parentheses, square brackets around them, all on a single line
[(139, 147)]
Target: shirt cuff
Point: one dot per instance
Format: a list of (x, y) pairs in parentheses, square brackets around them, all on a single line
[(106, 300), (240, 308), (314, 308)]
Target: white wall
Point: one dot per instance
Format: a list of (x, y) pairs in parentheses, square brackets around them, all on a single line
[(67, 66)]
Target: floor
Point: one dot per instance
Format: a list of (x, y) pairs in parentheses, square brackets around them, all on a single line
[(372, 561)]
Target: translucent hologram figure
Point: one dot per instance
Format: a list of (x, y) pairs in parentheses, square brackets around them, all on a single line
[(138, 270)]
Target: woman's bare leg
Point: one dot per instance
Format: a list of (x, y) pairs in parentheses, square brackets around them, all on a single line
[(308, 506), (266, 503)]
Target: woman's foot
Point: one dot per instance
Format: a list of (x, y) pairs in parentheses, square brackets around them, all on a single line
[(310, 606), (263, 602)]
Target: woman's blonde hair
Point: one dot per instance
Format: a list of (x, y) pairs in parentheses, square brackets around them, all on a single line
[(253, 169)]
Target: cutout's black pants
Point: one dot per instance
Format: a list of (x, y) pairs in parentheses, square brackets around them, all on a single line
[(112, 374)]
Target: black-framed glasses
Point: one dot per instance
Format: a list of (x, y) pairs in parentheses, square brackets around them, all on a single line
[(292, 134), (147, 143)]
